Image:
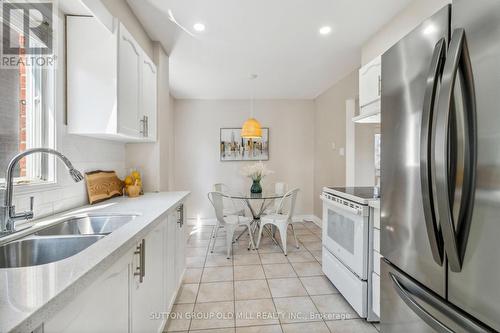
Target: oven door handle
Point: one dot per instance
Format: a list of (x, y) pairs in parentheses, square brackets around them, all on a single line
[(354, 211)]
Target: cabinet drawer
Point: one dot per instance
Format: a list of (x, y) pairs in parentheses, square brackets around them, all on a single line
[(376, 262), (376, 294), (376, 240), (354, 290)]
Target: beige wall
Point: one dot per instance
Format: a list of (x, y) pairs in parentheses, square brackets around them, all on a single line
[(197, 165), (364, 164), (399, 26), (330, 127)]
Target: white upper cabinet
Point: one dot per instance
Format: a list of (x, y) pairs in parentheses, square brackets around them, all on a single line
[(129, 85), (370, 90), (149, 98), (111, 83), (370, 80)]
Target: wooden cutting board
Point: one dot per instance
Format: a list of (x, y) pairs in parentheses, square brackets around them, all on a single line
[(103, 185)]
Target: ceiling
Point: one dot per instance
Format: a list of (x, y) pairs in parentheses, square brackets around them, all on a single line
[(276, 39)]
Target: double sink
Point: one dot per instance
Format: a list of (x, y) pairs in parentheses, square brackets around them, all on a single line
[(61, 240)]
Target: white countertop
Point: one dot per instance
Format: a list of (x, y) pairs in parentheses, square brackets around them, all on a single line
[(31, 295)]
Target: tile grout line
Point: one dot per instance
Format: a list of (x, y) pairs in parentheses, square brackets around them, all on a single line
[(309, 295), (270, 292), (201, 278)]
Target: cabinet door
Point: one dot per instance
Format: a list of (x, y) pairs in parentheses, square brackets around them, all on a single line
[(129, 75), (370, 82), (147, 297), (171, 257), (149, 97), (180, 244), (103, 307)]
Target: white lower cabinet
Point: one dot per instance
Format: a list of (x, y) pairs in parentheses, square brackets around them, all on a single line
[(147, 292), (131, 295), (103, 307)]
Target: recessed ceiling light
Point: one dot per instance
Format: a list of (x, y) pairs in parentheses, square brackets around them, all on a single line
[(325, 30), (199, 27)]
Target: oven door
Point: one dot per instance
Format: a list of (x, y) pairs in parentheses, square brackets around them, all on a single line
[(345, 235)]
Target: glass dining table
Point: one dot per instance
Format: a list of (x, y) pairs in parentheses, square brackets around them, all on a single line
[(257, 203)]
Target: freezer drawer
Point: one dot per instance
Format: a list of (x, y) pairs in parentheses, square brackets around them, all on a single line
[(407, 306), (354, 290)]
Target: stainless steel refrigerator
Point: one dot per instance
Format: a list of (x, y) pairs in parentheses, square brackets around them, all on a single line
[(440, 174)]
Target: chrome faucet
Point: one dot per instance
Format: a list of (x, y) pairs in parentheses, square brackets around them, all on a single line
[(8, 214)]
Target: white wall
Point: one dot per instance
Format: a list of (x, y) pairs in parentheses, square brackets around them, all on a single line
[(399, 26), (197, 165), (330, 127), (364, 165)]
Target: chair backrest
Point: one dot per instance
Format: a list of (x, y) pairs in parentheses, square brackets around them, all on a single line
[(216, 198), (292, 197), (280, 188), (220, 187)]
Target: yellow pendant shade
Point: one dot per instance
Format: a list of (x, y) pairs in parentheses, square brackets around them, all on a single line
[(251, 129)]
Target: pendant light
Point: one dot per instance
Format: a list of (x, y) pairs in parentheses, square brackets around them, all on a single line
[(251, 129)]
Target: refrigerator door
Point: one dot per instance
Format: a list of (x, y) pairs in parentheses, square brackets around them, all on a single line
[(475, 288), (408, 239), (407, 306)]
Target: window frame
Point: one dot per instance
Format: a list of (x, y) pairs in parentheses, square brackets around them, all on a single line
[(41, 129)]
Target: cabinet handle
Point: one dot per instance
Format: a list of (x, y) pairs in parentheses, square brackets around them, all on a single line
[(147, 125), (144, 121), (141, 269), (180, 216)]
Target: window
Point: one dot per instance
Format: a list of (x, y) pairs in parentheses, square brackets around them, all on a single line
[(26, 114)]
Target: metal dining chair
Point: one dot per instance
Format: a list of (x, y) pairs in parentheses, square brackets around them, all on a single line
[(281, 219), (228, 222), (230, 206), (279, 188)]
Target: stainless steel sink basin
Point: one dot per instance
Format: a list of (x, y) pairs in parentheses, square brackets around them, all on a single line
[(87, 225), (34, 250), (59, 241)]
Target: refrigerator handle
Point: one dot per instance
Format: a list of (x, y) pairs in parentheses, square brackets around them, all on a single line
[(417, 308), (409, 292), (426, 179), (457, 60)]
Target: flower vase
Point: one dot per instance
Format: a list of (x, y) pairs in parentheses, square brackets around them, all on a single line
[(256, 188)]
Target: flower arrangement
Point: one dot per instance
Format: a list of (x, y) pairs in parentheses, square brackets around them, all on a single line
[(256, 172)]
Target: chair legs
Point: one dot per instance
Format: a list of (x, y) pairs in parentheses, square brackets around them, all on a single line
[(294, 236), (261, 229), (229, 239), (249, 227), (214, 237), (282, 229)]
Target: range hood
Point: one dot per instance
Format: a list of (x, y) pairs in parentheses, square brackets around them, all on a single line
[(369, 114)]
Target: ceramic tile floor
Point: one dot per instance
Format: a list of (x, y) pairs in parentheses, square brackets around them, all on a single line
[(260, 291)]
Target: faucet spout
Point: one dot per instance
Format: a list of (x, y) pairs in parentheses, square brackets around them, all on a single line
[(8, 215)]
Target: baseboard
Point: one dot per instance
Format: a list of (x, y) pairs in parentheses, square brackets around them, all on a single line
[(309, 218), (297, 218)]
